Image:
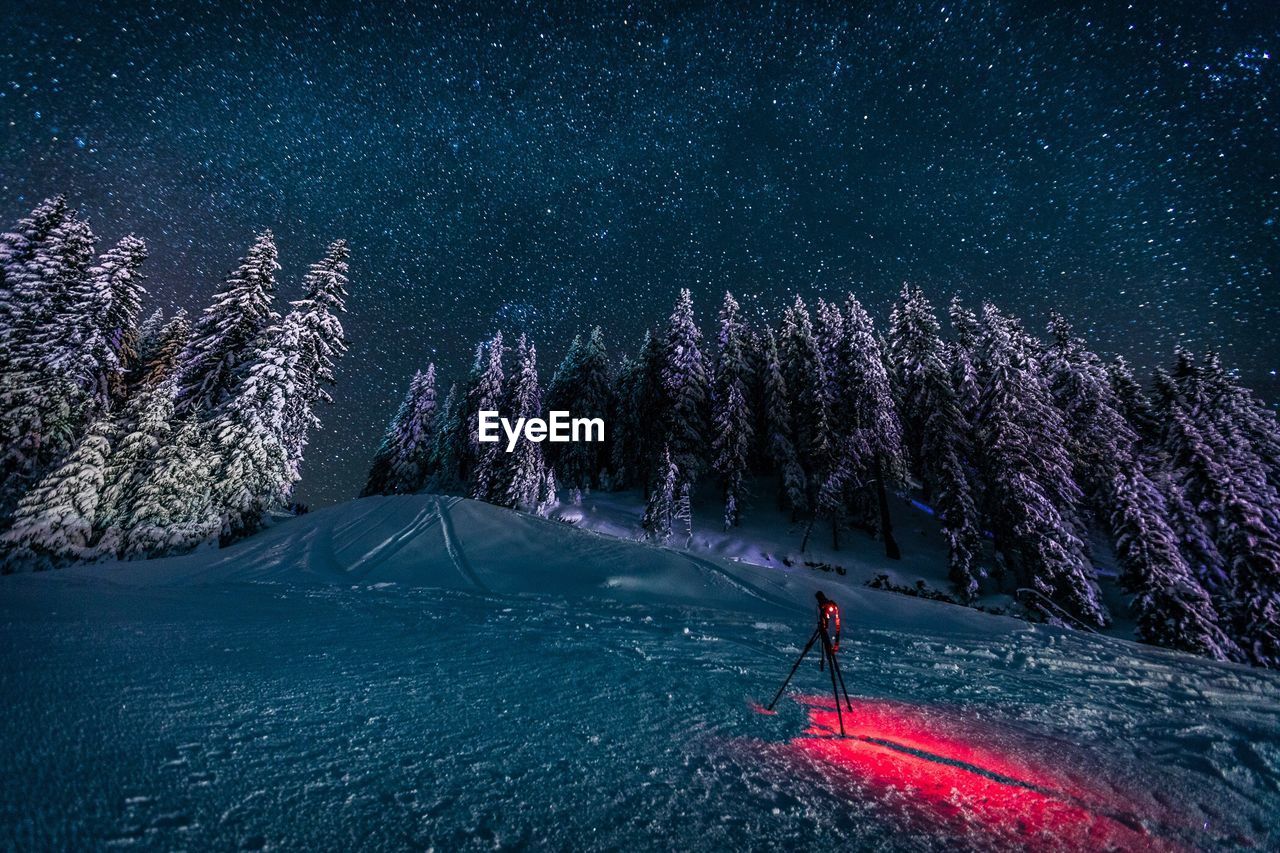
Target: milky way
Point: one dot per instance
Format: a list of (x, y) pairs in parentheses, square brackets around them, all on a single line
[(545, 167)]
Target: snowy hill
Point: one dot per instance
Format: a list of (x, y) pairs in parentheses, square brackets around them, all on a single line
[(422, 671)]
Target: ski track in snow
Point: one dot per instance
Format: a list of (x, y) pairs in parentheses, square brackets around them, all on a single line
[(738, 583), (456, 556), (421, 523), (329, 684)]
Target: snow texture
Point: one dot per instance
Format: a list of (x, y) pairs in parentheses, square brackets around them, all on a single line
[(420, 671)]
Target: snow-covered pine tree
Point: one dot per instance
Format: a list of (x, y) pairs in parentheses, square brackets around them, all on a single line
[(225, 332), (1170, 606), (581, 387), (731, 418), (1026, 474), (447, 444), (1250, 423), (548, 498), (120, 270), (18, 267), (845, 475), (415, 437), (1240, 531), (160, 362), (149, 331), (94, 334), (661, 508), (248, 433), (143, 428), (806, 382), (915, 354), (685, 390), (866, 405), (1192, 519), (935, 429), (1133, 402), (793, 493), (321, 343), (964, 354), (487, 394), (945, 453), (624, 425), (55, 521), (525, 470), (559, 396), (173, 510), (650, 405), (832, 339), (42, 417), (398, 443)]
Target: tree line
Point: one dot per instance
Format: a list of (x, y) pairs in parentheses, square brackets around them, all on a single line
[(123, 437), (1022, 446)]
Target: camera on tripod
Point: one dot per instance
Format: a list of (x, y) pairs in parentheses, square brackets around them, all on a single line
[(828, 632)]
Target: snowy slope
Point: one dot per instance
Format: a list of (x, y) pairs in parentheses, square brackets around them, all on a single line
[(415, 671)]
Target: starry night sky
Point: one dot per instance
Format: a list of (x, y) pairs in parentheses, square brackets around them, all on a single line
[(546, 167)]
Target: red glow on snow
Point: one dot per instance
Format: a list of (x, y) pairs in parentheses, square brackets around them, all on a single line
[(938, 767)]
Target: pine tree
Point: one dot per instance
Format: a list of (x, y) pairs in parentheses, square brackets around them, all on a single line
[(945, 451), (487, 394), (525, 475), (661, 508), (793, 493), (650, 406), (625, 424), (119, 272), (42, 413), (145, 426), (806, 382), (20, 271), (866, 405), (1027, 475), (248, 432), (224, 334), (1240, 531), (1133, 402), (378, 481), (1169, 605), (149, 331), (964, 356), (731, 418), (448, 440), (415, 437), (685, 390), (94, 334), (54, 522), (1251, 424), (831, 335), (915, 353), (403, 461), (321, 343), (173, 511), (160, 361), (581, 386)]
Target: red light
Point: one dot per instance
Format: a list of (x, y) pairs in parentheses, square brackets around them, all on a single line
[(947, 770)]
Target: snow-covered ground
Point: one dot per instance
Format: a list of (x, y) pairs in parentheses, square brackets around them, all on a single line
[(421, 671)]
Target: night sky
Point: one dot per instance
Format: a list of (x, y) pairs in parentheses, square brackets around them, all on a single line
[(542, 168)]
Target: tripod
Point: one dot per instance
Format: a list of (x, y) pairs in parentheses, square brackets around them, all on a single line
[(825, 608)]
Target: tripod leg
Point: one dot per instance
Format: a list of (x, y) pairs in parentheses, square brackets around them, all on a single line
[(807, 646), (826, 650), (835, 664)]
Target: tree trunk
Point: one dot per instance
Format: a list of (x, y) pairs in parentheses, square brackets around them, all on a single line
[(891, 549)]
